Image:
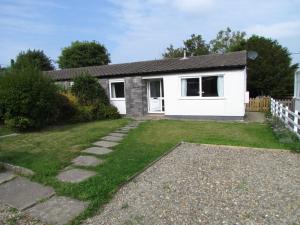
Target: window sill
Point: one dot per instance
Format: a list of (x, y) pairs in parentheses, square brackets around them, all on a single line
[(202, 98), (117, 99)]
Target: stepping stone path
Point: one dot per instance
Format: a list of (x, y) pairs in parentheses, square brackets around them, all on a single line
[(117, 134), (97, 150), (105, 144), (86, 161), (112, 138), (37, 200), (21, 193), (75, 175), (6, 176), (100, 147), (57, 210), (41, 201)]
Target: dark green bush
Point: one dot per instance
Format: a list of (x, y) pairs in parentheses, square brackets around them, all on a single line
[(88, 91), (101, 111), (66, 110), (28, 99)]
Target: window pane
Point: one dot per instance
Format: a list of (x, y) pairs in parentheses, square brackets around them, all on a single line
[(190, 87), (212, 86), (155, 88), (117, 90)]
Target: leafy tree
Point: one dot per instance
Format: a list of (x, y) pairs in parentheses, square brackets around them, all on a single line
[(193, 46), (272, 72), (226, 41), (81, 54), (172, 52), (32, 58)]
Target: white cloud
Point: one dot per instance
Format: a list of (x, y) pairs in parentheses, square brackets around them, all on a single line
[(277, 30), (186, 5), (193, 5), (151, 26)]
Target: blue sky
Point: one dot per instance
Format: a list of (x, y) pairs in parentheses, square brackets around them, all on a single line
[(134, 30)]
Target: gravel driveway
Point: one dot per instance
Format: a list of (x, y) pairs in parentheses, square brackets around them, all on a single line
[(207, 184)]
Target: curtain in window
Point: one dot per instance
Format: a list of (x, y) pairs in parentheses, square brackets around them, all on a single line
[(298, 86), (183, 87), (113, 91), (220, 86)]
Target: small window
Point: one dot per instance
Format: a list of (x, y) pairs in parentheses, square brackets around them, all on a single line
[(212, 86), (298, 85), (117, 90), (190, 87)]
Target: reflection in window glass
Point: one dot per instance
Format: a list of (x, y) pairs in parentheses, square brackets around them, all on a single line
[(190, 87), (117, 90)]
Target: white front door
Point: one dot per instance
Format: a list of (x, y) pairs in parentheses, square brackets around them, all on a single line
[(155, 96)]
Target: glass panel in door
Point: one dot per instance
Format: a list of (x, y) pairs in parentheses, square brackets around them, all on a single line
[(155, 101)]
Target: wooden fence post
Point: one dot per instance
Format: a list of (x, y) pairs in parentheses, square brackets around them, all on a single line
[(296, 122)]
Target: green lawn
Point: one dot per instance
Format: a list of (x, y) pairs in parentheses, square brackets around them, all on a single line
[(5, 131), (49, 151)]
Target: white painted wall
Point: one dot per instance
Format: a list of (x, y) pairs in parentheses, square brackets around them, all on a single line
[(119, 103), (232, 104), (297, 90)]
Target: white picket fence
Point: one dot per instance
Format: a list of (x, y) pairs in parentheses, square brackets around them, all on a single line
[(290, 118)]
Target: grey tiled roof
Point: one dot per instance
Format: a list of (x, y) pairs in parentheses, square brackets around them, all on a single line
[(195, 63)]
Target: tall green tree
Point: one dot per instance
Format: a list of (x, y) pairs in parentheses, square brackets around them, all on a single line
[(33, 59), (194, 46), (81, 54), (226, 40), (272, 72)]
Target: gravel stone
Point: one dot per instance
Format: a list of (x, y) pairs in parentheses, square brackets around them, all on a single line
[(209, 184)]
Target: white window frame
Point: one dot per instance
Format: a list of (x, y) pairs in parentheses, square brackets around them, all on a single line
[(116, 81), (200, 87), (297, 85)]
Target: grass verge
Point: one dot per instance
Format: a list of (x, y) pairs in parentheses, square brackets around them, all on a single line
[(49, 151)]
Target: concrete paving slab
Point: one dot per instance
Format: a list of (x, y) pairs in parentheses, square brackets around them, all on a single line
[(57, 210), (97, 150), (112, 138), (75, 175), (117, 134), (127, 128), (106, 144), (258, 117), (122, 131), (6, 176), (86, 161), (22, 193)]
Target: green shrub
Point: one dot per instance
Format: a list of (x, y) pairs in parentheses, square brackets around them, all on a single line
[(102, 111), (66, 109), (83, 114), (88, 91), (28, 99)]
